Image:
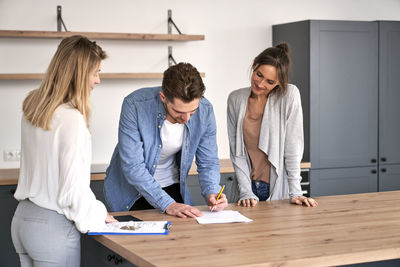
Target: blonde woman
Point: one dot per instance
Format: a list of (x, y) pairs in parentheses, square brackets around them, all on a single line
[(265, 129), (55, 200)]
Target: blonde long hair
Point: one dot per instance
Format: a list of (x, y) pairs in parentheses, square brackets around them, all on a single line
[(66, 81)]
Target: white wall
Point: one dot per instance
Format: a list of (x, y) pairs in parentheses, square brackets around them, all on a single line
[(235, 32)]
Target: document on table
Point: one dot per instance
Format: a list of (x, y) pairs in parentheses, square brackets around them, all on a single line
[(224, 216), (134, 228)]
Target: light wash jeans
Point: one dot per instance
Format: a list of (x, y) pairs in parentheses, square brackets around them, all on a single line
[(42, 237)]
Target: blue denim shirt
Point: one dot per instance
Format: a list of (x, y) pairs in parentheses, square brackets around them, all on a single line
[(134, 161)]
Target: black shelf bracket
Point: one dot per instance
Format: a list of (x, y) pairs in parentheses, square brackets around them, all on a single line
[(60, 21), (171, 23), (171, 60)]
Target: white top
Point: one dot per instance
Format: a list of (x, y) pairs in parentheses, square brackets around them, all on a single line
[(167, 172), (55, 169)]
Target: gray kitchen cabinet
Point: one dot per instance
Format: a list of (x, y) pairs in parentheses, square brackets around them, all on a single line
[(340, 181), (97, 188), (305, 182), (95, 254), (389, 177), (389, 108), (192, 183), (92, 254), (387, 263), (335, 67), (227, 179), (195, 189), (389, 92), (8, 204), (349, 79)]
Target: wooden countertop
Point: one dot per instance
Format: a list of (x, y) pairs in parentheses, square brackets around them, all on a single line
[(343, 229), (10, 176)]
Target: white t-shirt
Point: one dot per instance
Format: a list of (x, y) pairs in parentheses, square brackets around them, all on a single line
[(55, 169), (167, 171)]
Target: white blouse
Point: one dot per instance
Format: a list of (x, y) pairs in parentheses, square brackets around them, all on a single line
[(55, 169)]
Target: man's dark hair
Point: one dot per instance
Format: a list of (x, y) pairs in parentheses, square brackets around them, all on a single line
[(182, 81)]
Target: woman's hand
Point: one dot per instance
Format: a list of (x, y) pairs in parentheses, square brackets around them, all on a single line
[(110, 218), (308, 201), (250, 202), (220, 204)]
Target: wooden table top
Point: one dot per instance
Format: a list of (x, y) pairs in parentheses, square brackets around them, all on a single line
[(10, 176), (343, 229)]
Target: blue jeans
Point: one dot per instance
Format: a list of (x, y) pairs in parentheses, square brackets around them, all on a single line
[(260, 189)]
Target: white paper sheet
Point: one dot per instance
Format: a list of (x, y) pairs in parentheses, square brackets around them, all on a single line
[(224, 216)]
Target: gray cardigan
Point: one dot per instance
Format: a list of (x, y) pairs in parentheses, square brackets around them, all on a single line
[(281, 138)]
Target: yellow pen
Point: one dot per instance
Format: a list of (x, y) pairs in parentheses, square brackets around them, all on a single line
[(219, 195)]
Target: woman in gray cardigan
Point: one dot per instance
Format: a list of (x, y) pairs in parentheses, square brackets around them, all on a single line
[(265, 129)]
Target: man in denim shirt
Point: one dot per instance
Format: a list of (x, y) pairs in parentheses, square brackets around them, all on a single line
[(161, 129)]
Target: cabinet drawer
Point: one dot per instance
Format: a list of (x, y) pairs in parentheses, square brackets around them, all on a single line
[(342, 181), (95, 254)]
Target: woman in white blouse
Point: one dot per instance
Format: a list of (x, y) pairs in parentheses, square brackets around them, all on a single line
[(55, 199)]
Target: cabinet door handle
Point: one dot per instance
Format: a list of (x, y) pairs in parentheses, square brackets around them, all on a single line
[(230, 178), (383, 170), (373, 160), (117, 260), (383, 159), (110, 258), (373, 171)]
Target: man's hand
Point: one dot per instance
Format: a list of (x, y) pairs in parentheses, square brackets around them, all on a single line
[(183, 210), (220, 204)]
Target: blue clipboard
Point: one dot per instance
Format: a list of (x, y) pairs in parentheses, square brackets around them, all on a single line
[(141, 228)]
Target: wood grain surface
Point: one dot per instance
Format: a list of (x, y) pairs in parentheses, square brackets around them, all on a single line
[(343, 229), (102, 35)]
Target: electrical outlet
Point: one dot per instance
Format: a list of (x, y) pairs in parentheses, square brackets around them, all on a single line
[(18, 155), (11, 155)]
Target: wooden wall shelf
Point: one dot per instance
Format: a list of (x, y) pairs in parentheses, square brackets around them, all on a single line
[(39, 76), (102, 35)]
